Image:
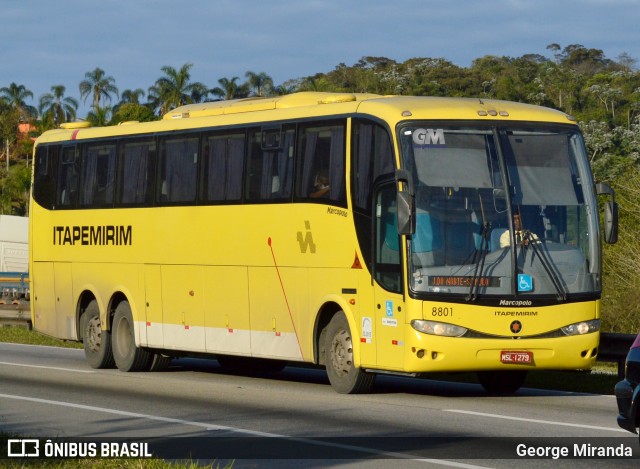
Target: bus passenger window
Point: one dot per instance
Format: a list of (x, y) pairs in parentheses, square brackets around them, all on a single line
[(67, 193), (179, 170), (44, 184), (137, 173), (270, 172), (98, 175), (321, 154), (224, 160)]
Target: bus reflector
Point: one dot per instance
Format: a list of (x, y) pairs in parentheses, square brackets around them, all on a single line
[(356, 263)]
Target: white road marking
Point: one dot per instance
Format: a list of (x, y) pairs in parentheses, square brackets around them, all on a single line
[(47, 367), (208, 426), (545, 422)]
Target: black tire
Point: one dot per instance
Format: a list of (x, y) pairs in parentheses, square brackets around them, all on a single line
[(502, 382), (127, 356), (343, 375), (96, 341)]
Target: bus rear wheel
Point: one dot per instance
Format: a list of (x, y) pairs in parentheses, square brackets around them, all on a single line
[(502, 382), (343, 374), (97, 342), (127, 356)]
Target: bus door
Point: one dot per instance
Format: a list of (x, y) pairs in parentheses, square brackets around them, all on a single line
[(387, 272)]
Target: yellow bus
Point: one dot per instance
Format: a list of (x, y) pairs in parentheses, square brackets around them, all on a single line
[(367, 234)]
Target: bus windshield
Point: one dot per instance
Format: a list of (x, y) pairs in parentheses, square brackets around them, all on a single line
[(501, 210)]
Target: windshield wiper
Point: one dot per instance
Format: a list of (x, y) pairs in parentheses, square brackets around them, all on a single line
[(529, 239), (480, 254)]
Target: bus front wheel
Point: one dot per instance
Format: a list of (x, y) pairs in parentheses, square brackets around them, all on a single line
[(97, 342), (127, 356), (343, 374)]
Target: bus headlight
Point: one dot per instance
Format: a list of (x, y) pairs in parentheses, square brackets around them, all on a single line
[(580, 328), (438, 328)]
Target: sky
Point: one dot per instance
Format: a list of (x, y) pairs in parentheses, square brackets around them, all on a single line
[(44, 43)]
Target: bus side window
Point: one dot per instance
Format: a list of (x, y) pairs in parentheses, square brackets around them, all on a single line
[(387, 269), (224, 166), (270, 174), (137, 173), (98, 175), (179, 173), (44, 185), (372, 157), (67, 192), (321, 154)]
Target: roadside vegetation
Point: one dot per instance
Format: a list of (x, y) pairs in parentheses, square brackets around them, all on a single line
[(603, 94), (101, 463)]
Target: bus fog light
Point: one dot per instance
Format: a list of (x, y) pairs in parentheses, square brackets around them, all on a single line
[(438, 328), (581, 328)]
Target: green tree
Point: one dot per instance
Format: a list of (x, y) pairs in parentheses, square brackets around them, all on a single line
[(621, 297), (99, 86), (132, 112), (55, 108), (15, 97), (100, 116), (260, 84), (230, 89), (131, 96), (176, 89), (14, 189)]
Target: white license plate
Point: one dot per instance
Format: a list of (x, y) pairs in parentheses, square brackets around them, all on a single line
[(516, 357)]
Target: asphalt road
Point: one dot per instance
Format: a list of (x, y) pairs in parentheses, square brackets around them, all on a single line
[(295, 419)]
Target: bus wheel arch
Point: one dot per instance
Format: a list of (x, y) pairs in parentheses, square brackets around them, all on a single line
[(85, 299), (96, 339), (127, 355), (323, 319), (339, 356)]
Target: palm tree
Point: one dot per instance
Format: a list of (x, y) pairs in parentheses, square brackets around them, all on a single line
[(174, 89), (98, 86), (228, 88), (15, 95), (260, 83), (55, 108), (99, 116), (131, 96)]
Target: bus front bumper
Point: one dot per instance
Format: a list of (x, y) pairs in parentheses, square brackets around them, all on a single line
[(428, 353)]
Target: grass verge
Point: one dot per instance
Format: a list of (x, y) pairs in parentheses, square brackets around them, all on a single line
[(22, 335)]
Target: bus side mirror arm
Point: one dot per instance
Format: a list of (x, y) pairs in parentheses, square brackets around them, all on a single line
[(610, 213), (405, 203)]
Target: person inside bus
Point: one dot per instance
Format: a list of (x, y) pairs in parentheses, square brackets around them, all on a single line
[(523, 237), (321, 186)]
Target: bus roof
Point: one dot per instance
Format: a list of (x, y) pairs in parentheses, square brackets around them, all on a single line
[(392, 109)]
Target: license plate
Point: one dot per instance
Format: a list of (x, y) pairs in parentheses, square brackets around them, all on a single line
[(516, 357)]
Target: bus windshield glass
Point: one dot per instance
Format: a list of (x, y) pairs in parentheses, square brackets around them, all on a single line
[(501, 210)]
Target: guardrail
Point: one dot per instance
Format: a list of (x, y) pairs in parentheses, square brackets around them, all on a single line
[(614, 348), (15, 314)]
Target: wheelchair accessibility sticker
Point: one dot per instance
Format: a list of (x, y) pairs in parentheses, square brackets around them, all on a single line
[(389, 309), (525, 282)]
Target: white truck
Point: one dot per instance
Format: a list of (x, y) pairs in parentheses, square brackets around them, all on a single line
[(14, 259)]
